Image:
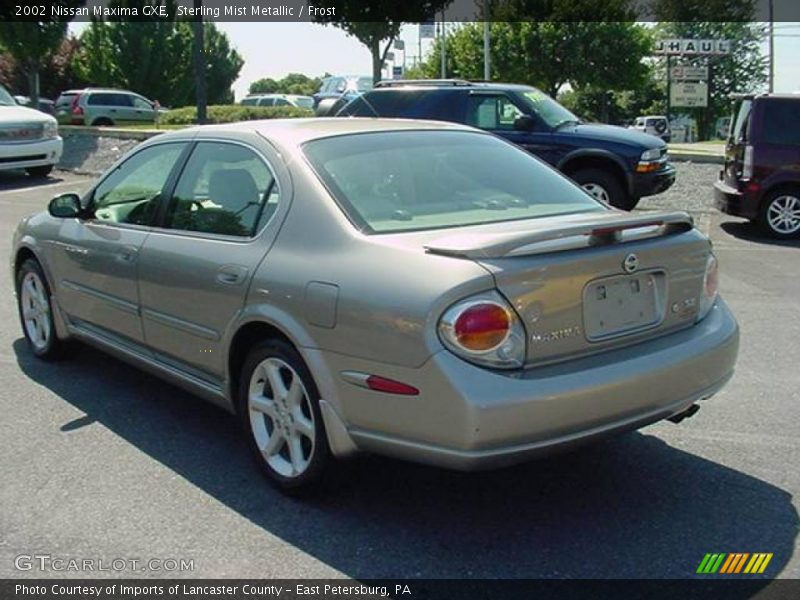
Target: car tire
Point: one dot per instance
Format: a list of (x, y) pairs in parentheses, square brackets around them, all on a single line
[(779, 215), (605, 187), (42, 171), (35, 306), (278, 407)]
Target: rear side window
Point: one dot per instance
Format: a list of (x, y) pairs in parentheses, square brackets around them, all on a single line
[(225, 189), (109, 99), (782, 122), (414, 180), (742, 122), (249, 101)]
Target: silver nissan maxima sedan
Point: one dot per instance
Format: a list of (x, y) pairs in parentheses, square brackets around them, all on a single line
[(416, 289)]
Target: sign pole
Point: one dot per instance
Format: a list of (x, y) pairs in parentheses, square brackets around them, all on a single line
[(669, 87), (487, 59), (444, 48)]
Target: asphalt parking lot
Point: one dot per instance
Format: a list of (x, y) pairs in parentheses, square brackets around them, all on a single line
[(102, 461)]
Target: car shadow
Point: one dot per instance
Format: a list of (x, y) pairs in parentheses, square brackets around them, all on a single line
[(749, 232), (18, 179), (629, 507)]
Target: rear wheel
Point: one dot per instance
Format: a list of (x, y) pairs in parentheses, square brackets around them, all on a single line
[(605, 187), (279, 411), (36, 311), (780, 214), (42, 171)]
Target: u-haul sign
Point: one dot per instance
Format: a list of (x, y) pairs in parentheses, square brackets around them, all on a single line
[(687, 46)]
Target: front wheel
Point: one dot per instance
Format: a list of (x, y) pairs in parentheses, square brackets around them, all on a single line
[(36, 311), (42, 171), (604, 187), (279, 411), (780, 214)]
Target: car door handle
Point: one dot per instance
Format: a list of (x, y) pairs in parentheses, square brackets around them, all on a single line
[(232, 274), (128, 254), (77, 250)]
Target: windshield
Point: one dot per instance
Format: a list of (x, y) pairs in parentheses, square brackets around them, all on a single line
[(414, 180), (5, 98), (550, 111)]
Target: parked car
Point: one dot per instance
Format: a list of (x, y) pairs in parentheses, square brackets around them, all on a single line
[(653, 125), (279, 100), (101, 107), (417, 289), (617, 166), (722, 128), (760, 179), (28, 138), (45, 105), (339, 86)]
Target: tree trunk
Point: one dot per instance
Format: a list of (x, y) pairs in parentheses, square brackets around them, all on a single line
[(199, 60), (33, 85), (377, 59)]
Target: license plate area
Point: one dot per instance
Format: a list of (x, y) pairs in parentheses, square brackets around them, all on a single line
[(624, 304)]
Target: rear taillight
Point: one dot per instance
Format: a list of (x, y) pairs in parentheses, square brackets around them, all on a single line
[(484, 330), (74, 108), (747, 162), (710, 284)]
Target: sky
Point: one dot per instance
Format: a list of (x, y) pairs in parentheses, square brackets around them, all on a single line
[(276, 49)]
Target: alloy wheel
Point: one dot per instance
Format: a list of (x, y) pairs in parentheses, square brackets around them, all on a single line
[(598, 191), (281, 417), (783, 214), (35, 310)]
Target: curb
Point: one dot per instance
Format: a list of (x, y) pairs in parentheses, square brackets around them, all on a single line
[(111, 132)]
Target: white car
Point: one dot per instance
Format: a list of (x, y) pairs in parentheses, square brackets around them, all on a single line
[(28, 138), (654, 125)]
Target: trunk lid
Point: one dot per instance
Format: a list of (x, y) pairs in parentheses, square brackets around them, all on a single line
[(593, 281)]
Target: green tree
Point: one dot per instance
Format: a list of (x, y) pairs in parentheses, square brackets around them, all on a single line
[(551, 54), (375, 23), (154, 58), (55, 75), (31, 44), (293, 83), (744, 69)]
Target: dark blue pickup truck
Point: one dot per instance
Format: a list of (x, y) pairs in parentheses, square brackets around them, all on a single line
[(616, 165)]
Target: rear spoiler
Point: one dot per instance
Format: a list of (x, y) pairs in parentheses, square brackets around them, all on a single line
[(557, 234)]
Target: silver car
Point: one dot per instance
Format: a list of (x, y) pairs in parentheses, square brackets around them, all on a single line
[(416, 289)]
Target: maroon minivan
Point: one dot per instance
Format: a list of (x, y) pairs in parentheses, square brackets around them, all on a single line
[(761, 177)]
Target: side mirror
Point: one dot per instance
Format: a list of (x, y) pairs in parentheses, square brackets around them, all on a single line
[(65, 206), (524, 123)]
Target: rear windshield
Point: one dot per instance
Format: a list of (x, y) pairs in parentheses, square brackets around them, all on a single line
[(739, 130), (414, 180)]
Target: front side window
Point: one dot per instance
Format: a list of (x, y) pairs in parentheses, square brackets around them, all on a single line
[(131, 193), (225, 189), (141, 103), (413, 180), (492, 112)]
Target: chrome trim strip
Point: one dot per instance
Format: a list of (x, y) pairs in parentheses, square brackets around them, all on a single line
[(123, 305), (183, 325)]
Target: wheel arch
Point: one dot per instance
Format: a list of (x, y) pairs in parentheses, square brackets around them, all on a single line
[(595, 159)]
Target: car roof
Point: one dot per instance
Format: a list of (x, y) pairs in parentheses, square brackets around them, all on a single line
[(295, 132), (436, 84)]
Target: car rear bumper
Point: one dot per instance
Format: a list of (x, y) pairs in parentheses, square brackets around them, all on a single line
[(650, 184), (19, 155), (734, 202), (470, 418)]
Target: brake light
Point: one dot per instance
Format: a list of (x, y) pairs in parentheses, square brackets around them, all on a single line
[(484, 330), (74, 108), (710, 285), (747, 162)]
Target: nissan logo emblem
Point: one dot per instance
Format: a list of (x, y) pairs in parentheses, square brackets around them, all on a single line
[(631, 263)]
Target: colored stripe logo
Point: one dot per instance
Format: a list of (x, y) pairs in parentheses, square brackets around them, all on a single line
[(734, 563)]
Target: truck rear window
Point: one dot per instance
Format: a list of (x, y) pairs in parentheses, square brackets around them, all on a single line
[(782, 122)]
